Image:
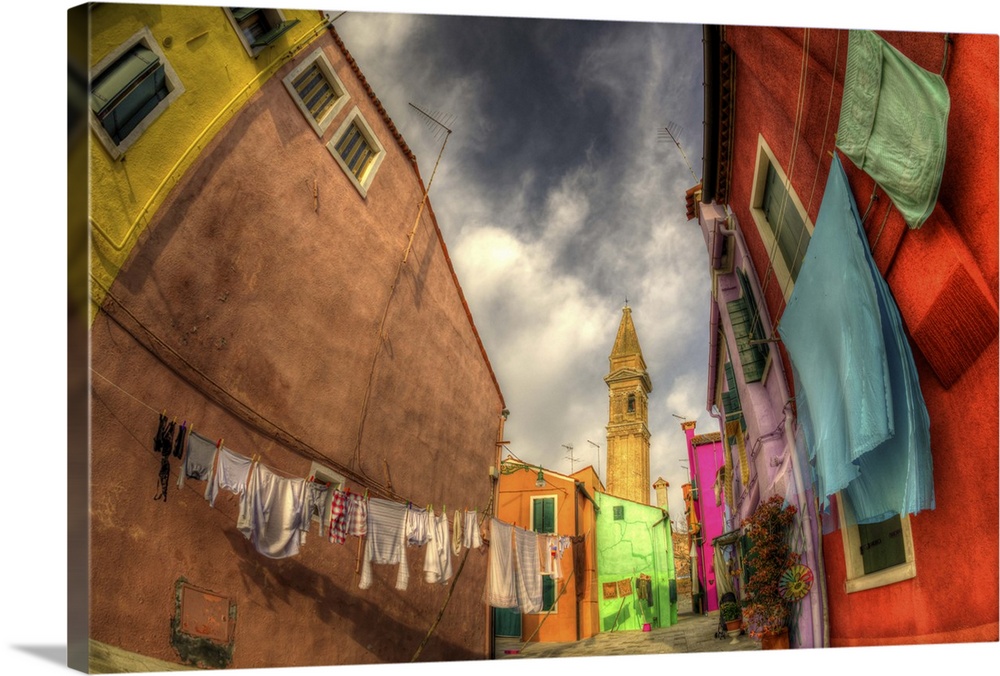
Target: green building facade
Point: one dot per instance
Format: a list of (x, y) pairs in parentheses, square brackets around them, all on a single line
[(635, 565)]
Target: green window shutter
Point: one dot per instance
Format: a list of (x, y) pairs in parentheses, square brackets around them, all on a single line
[(243, 13), (785, 221), (756, 322), (544, 516), (739, 315), (548, 592), (273, 34), (127, 91), (731, 399)]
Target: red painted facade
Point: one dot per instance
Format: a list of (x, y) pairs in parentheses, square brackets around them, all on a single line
[(944, 277)]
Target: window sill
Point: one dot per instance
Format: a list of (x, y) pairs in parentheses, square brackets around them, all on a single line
[(904, 571)]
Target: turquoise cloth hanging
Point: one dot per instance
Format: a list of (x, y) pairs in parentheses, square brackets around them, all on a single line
[(894, 123), (860, 408)]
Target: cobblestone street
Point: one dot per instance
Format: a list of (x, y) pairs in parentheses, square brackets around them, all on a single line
[(692, 634)]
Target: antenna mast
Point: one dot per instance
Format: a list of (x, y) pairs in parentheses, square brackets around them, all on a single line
[(672, 132), (569, 456)]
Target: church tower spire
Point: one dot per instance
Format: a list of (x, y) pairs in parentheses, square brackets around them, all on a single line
[(628, 415)]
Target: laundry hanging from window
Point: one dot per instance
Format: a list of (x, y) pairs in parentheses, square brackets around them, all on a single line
[(860, 408), (894, 123)]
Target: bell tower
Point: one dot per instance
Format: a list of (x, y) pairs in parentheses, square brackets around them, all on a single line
[(628, 415)]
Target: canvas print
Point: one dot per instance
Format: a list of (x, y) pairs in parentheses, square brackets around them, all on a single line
[(411, 338)]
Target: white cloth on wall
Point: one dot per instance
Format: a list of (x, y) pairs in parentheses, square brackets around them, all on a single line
[(500, 589), (386, 541), (231, 472), (527, 571), (471, 539), (271, 512), (417, 526), (437, 560)]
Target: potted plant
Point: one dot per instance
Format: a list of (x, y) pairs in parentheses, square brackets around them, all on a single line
[(764, 607), (730, 615)]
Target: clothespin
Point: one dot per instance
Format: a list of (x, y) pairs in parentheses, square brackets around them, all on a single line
[(444, 509), (219, 445)]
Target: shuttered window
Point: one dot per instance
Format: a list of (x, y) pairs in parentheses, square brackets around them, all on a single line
[(742, 319), (259, 27), (316, 92), (356, 152), (785, 221), (543, 518), (127, 91)]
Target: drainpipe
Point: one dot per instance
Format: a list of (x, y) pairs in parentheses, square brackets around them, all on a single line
[(576, 531)]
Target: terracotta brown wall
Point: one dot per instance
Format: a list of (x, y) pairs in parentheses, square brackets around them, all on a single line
[(944, 278), (247, 291)]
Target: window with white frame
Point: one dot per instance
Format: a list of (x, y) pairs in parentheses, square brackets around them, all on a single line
[(317, 91), (780, 218), (357, 150), (258, 27), (129, 89), (875, 554), (325, 476), (543, 520)]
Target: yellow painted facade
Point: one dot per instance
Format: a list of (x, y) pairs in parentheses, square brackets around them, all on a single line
[(218, 76), (628, 416)]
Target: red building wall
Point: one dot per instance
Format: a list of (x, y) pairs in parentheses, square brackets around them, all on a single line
[(262, 302), (944, 277)]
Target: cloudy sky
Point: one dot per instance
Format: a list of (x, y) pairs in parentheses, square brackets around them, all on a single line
[(558, 199)]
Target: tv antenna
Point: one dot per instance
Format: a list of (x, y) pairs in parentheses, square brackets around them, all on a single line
[(569, 456), (598, 447), (435, 121), (672, 132)]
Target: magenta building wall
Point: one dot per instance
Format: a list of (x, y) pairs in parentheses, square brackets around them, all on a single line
[(705, 457)]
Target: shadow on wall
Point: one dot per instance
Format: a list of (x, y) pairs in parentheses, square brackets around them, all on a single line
[(342, 609)]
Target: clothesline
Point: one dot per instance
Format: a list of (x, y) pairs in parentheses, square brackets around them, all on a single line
[(277, 526), (359, 486)]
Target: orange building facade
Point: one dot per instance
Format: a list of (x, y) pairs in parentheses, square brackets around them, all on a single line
[(573, 613)]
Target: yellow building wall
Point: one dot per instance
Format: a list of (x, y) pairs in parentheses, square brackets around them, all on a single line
[(218, 76)]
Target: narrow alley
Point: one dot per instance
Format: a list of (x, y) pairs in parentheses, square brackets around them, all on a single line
[(692, 634)]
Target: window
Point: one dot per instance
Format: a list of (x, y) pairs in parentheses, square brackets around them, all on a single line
[(748, 328), (357, 150), (631, 403), (129, 89), (258, 28), (876, 554), (325, 475), (618, 511), (780, 218), (543, 520), (316, 90)]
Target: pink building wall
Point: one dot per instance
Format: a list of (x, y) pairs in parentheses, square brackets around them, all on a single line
[(705, 457)]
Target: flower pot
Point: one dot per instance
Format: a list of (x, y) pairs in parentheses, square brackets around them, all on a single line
[(775, 640), (733, 625)]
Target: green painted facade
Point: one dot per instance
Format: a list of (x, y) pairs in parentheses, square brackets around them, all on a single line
[(634, 540)]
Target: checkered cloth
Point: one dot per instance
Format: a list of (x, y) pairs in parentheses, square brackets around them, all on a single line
[(348, 516)]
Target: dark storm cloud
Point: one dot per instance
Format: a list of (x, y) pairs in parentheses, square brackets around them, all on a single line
[(557, 200)]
